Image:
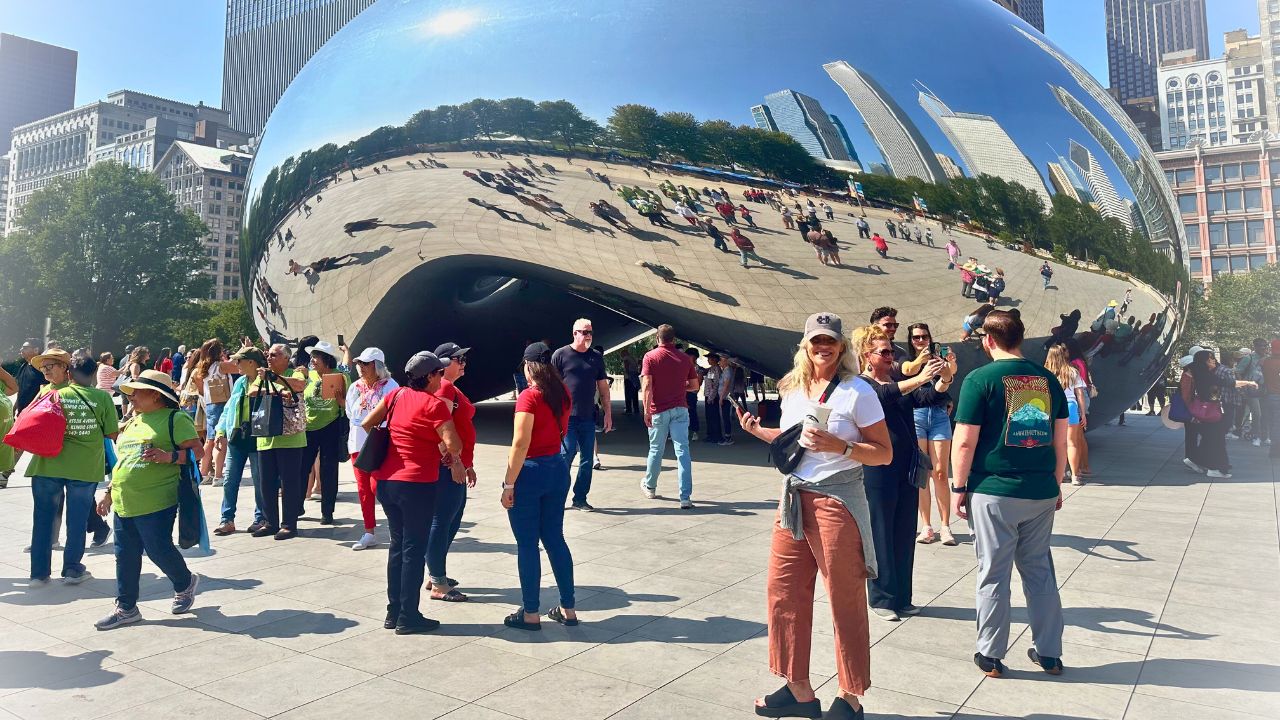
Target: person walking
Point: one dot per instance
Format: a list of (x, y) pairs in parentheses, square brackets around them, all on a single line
[(451, 497), (420, 426), (535, 486), (233, 429), (280, 456), (882, 247), (893, 496), (666, 375), (1009, 456), (1046, 273), (84, 374), (746, 248), (214, 386), (154, 444), (583, 372), (630, 381), (374, 382), (66, 482), (823, 523), (179, 360), (1202, 388), (324, 425)]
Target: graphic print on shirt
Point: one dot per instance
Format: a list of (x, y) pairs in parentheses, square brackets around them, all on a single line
[(1027, 406)]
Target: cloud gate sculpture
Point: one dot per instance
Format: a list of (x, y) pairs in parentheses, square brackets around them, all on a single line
[(487, 172)]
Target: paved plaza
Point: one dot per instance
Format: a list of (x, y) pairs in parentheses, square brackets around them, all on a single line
[(1170, 584)]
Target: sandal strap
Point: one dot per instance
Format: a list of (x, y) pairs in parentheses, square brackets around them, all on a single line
[(780, 698)]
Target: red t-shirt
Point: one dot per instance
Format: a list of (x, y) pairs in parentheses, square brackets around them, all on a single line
[(547, 433), (668, 370), (414, 452), (880, 243), (463, 418)]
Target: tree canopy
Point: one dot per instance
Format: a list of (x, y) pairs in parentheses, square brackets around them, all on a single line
[(1236, 309), (107, 255)]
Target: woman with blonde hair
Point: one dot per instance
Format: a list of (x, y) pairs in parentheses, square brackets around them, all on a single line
[(214, 386), (1058, 362), (823, 521)]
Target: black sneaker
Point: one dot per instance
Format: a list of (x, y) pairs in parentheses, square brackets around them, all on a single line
[(991, 667), (264, 531), (424, 625), (393, 616), (1053, 666), (100, 537), (583, 506), (326, 520)]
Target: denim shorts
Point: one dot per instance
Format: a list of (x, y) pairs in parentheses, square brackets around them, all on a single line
[(212, 414), (932, 423), (1073, 412)]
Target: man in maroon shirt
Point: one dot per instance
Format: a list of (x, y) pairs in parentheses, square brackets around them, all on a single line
[(665, 376)]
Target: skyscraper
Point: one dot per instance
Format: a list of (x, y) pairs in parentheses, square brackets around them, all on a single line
[(844, 137), (1106, 200), (1139, 32), (1269, 20), (267, 43), (984, 146), (36, 81), (1061, 183), (904, 149), (763, 118), (1030, 10), (803, 118)]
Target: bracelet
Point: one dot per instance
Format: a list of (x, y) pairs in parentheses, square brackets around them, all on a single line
[(173, 458), (959, 489), (508, 486)]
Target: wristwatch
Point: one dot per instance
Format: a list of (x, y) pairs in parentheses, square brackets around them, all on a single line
[(959, 489), (848, 450), (508, 486)]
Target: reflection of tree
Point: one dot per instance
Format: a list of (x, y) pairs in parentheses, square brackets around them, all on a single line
[(559, 126)]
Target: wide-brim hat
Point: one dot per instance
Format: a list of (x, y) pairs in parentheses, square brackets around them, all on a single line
[(151, 380), (56, 355), (324, 347)]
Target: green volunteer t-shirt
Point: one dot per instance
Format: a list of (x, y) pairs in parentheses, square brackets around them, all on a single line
[(1015, 403), (320, 412), (90, 414), (6, 422), (139, 487), (280, 442)]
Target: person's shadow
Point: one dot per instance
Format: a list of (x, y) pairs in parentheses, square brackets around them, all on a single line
[(415, 225), (651, 236), (36, 669)]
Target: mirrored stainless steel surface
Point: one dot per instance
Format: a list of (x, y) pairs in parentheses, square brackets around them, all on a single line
[(435, 173)]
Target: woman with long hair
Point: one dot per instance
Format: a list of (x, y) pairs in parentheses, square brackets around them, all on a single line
[(188, 393), (1058, 362), (1075, 355), (242, 448), (535, 488), (420, 427), (823, 521), (933, 432), (1201, 386), (373, 384), (214, 387)]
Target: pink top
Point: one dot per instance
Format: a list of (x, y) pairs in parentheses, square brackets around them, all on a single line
[(107, 377)]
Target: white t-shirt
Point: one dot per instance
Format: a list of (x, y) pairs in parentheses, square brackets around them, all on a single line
[(1076, 382), (357, 411), (854, 405)]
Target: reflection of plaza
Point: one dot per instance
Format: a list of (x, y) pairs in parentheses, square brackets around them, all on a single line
[(420, 228)]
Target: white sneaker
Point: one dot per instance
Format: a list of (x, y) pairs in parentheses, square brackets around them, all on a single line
[(217, 482), (315, 496), (1232, 436), (1257, 442), (649, 492), (1217, 474), (1193, 466), (76, 579), (693, 437), (686, 504), (366, 541)]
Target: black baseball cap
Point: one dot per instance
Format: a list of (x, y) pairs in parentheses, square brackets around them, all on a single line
[(423, 364), (450, 350), (538, 352)]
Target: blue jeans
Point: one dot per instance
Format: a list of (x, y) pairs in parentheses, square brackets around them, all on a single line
[(673, 422), (153, 533), (212, 414), (691, 399), (48, 492), (580, 439), (238, 453), (409, 507), (450, 497), (538, 514), (932, 423)]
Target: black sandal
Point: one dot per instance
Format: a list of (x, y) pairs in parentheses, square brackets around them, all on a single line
[(841, 710), (558, 615), (451, 596), (516, 620), (783, 703)]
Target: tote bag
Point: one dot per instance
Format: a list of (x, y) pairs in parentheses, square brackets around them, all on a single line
[(374, 451), (40, 428)]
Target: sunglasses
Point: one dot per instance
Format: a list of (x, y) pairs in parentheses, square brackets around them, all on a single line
[(583, 332), (49, 366), (921, 337), (884, 352), (890, 325)]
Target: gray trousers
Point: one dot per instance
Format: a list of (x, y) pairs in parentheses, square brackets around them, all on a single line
[(1008, 532)]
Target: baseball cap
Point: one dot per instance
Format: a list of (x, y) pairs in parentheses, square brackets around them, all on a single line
[(423, 364), (537, 352), (250, 353), (1186, 360), (370, 354), (823, 324), (1244, 351), (450, 350)]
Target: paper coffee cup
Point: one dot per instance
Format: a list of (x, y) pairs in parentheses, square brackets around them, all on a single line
[(817, 415)]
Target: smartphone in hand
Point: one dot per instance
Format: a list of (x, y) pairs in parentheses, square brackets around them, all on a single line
[(736, 403), (341, 341)]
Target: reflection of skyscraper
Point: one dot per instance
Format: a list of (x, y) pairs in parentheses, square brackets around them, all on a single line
[(1061, 183), (1139, 32), (1106, 200), (763, 118), (844, 137), (904, 149), (949, 166), (1076, 177), (984, 145), (267, 43), (803, 118), (1030, 10)]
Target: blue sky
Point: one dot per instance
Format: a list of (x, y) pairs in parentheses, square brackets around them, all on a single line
[(119, 41)]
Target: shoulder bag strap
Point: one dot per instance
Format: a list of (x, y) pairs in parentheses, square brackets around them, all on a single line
[(101, 428), (831, 387), (391, 406)]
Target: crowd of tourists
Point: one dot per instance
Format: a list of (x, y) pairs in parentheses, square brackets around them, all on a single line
[(872, 441)]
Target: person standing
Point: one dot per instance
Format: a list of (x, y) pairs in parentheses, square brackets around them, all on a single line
[(691, 397), (953, 253), (725, 380), (144, 494), (67, 481), (179, 360), (1046, 273), (28, 376), (373, 384), (582, 370), (711, 398), (324, 426), (1009, 457), (451, 496), (280, 456), (8, 460), (667, 374), (242, 448), (630, 382)]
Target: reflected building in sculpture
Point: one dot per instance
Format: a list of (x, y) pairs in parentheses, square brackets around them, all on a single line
[(903, 148), (984, 145), (466, 195), (1061, 182), (1105, 198)]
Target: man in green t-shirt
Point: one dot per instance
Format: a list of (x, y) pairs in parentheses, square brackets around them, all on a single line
[(74, 473), (1009, 456)]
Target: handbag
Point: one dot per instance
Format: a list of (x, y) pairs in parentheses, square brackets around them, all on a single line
[(374, 451), (1178, 411), (1205, 411), (921, 469), (219, 388), (40, 428), (275, 414), (785, 452)]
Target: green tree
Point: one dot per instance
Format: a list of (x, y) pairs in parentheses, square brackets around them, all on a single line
[(1236, 309), (637, 127), (518, 117), (112, 254), (563, 121), (680, 135), (227, 320), (23, 303)]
